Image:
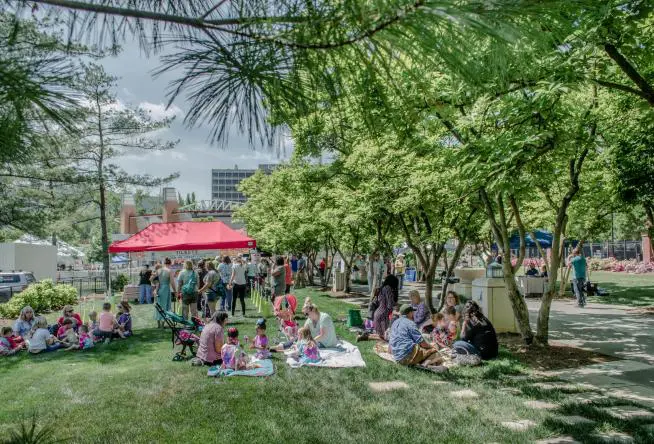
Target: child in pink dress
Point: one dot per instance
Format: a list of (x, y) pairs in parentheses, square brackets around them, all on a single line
[(85, 339), (260, 343), (232, 353), (307, 348)]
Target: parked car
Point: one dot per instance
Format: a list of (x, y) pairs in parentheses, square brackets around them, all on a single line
[(14, 282)]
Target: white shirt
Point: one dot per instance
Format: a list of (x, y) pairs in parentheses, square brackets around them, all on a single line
[(38, 340), (240, 271)]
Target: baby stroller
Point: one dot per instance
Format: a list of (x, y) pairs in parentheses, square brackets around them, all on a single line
[(284, 310), (183, 331)]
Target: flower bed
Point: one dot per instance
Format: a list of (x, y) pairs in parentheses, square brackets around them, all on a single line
[(626, 266)]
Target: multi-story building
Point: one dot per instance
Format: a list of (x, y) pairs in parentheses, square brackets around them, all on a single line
[(224, 182)]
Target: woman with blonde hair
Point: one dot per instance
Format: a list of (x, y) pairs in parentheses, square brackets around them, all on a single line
[(25, 322)]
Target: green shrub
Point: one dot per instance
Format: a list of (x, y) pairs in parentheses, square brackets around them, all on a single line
[(41, 296), (119, 283)]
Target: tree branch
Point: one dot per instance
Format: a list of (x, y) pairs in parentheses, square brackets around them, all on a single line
[(631, 72)]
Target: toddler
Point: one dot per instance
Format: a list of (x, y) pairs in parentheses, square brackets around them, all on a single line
[(7, 345), (307, 349), (85, 339), (260, 343), (93, 321), (445, 331), (232, 353), (124, 319), (66, 325)]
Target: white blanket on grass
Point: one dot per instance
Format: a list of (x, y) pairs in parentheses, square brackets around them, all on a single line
[(345, 355)]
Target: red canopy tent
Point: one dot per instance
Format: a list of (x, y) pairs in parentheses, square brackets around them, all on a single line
[(173, 236)]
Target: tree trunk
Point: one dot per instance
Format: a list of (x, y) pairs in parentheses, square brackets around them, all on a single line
[(105, 239), (520, 310), (429, 286), (449, 270), (348, 284), (649, 210)]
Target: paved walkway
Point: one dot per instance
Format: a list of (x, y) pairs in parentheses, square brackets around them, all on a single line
[(607, 329)]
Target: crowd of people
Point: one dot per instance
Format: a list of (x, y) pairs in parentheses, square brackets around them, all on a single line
[(32, 333), (414, 334)]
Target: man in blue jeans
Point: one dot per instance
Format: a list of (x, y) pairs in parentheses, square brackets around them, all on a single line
[(145, 286), (578, 264)]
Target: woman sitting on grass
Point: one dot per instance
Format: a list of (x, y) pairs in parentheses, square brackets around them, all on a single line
[(321, 327), (212, 339), (478, 335), (69, 312), (23, 325)]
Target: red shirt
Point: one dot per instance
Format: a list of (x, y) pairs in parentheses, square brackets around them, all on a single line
[(322, 265), (75, 316), (289, 275)]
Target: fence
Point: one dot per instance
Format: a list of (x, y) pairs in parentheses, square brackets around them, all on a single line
[(85, 285), (621, 250)]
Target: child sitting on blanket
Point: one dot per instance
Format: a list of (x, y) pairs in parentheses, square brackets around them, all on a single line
[(445, 330), (307, 349), (420, 310), (62, 331), (260, 343), (232, 353)]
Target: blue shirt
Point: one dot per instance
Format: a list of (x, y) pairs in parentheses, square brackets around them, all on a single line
[(579, 267), (293, 265), (404, 336)]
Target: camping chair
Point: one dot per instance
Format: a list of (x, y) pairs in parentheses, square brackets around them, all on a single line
[(182, 331)]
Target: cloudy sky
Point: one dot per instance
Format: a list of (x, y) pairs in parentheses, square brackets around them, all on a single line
[(194, 156)]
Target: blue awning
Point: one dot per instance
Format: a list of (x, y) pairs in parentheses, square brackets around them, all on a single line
[(544, 238)]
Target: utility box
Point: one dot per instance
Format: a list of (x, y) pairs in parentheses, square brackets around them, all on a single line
[(466, 276), (493, 299), (339, 281), (41, 260)]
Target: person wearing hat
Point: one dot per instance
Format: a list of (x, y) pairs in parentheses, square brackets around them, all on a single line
[(406, 343)]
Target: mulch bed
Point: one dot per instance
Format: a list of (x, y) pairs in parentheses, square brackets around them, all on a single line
[(556, 356), (642, 310)]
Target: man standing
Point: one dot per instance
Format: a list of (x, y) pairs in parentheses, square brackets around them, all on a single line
[(301, 280), (578, 264), (145, 287), (406, 342), (321, 269), (294, 266), (399, 269), (252, 274)]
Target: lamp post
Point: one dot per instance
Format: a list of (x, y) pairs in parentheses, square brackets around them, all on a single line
[(612, 236)]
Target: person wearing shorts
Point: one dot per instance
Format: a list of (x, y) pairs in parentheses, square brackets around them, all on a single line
[(407, 345)]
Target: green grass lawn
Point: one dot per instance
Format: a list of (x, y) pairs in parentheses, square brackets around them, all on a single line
[(624, 288), (131, 391)]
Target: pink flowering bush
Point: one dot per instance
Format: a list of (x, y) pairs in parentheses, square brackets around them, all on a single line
[(626, 266)]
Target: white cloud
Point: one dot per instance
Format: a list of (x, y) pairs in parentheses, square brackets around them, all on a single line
[(159, 111)]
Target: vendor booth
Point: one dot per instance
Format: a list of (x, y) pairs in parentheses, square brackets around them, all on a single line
[(183, 236)]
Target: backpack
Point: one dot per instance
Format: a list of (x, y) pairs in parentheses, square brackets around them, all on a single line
[(189, 285), (218, 287)]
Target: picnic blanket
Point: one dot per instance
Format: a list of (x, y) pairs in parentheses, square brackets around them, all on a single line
[(345, 355), (265, 369), (381, 350)]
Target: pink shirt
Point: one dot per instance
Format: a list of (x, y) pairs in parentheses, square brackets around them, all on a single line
[(106, 321), (211, 333)]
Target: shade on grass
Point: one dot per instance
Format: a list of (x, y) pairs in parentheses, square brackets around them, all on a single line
[(624, 288), (131, 391)]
